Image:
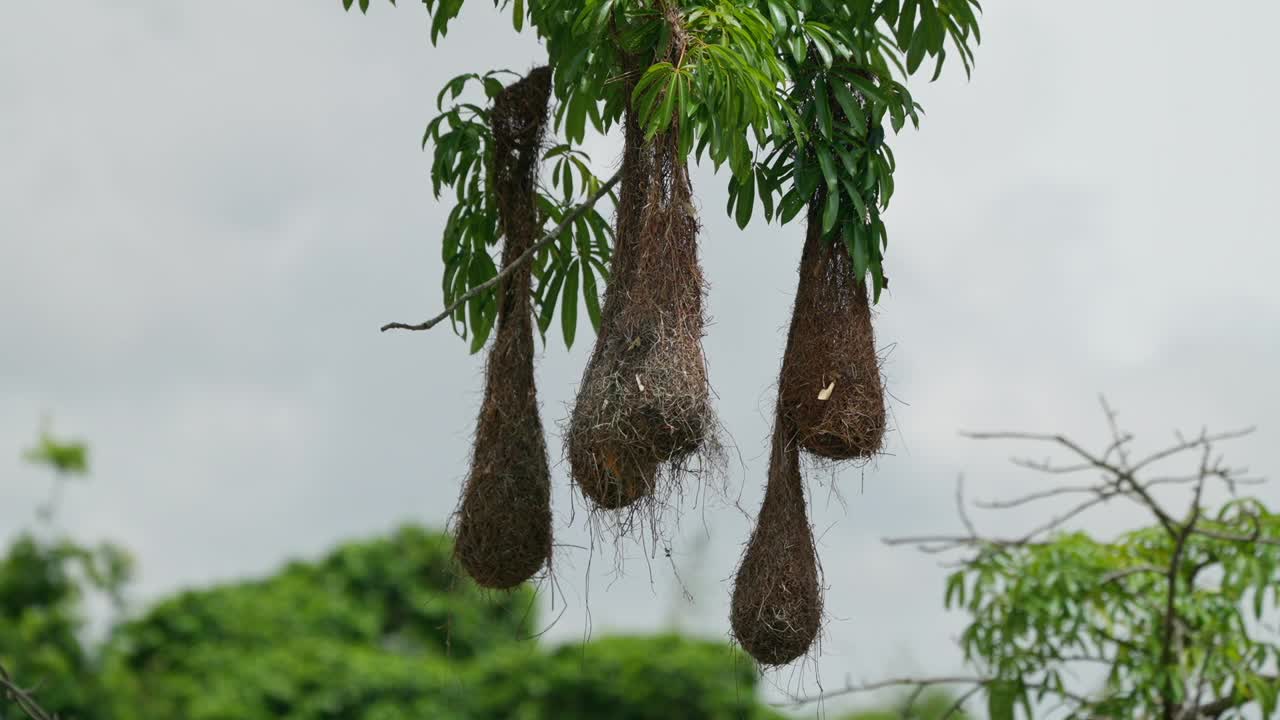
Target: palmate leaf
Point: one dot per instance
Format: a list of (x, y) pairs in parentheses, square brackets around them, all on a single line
[(819, 80), (460, 142), (848, 62)]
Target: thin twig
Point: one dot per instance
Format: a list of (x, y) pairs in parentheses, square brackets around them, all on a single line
[(1126, 572), (1123, 474), (976, 681), (850, 689), (1175, 570), (22, 698), (524, 258), (1041, 495)]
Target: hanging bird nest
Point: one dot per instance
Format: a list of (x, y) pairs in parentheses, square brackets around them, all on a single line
[(776, 612), (830, 389), (643, 408), (503, 522)]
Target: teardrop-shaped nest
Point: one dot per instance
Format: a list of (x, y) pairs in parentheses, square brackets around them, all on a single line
[(503, 523), (776, 612), (830, 388), (643, 406)]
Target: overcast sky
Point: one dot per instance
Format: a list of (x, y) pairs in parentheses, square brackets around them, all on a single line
[(207, 210)]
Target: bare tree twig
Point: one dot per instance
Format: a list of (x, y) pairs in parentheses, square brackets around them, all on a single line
[(1126, 572), (1201, 440), (960, 701), (851, 689), (523, 259), (22, 698), (1122, 473), (1171, 598), (977, 681)]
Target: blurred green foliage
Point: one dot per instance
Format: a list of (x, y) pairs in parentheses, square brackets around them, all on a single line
[(67, 458), (625, 678), (374, 624), (380, 629), (929, 705), (377, 630), (42, 586)]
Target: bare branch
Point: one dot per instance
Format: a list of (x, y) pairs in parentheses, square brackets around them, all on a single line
[(1203, 440), (1118, 438), (958, 705), (1255, 538), (918, 684), (1171, 597), (852, 689), (941, 543), (1047, 467), (523, 259), (22, 698), (1126, 572), (1041, 495)]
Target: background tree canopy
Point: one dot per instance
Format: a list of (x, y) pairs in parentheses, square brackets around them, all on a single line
[(379, 629)]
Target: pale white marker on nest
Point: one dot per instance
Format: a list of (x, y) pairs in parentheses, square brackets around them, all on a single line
[(825, 393), (639, 384)]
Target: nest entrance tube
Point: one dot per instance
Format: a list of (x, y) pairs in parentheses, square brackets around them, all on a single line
[(643, 406), (503, 522), (776, 611), (830, 388)]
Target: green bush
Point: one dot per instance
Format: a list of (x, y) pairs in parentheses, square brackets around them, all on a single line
[(624, 678)]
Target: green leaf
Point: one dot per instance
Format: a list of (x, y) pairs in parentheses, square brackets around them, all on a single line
[(852, 110), (1001, 696), (831, 212), (828, 169), (746, 198), (778, 15), (860, 253), (916, 51), (866, 87), (548, 304), (791, 204), (877, 277), (906, 23), (808, 175), (823, 104), (479, 321), (937, 69), (799, 48), (70, 458), (824, 51), (576, 118), (517, 15), (765, 187), (591, 295), (569, 306)]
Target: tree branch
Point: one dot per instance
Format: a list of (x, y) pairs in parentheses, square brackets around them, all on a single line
[(851, 689), (918, 684), (22, 698), (523, 259), (1175, 570)]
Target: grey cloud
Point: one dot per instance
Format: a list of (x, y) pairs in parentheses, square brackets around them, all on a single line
[(207, 211)]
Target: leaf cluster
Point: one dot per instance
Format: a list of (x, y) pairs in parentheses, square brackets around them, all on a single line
[(461, 140), (795, 96), (1040, 611)]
